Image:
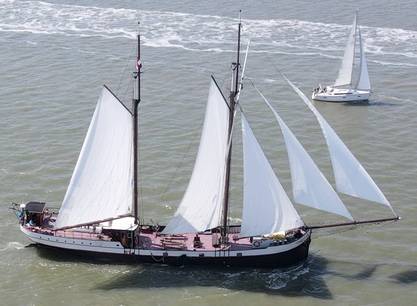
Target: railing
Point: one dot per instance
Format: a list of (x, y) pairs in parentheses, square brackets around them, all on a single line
[(73, 234)]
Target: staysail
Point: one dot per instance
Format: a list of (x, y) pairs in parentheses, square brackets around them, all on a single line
[(243, 72), (101, 184), (310, 186), (363, 81), (351, 177), (266, 206), (344, 77), (200, 208)]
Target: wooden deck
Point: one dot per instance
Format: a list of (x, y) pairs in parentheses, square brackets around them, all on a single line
[(153, 240)]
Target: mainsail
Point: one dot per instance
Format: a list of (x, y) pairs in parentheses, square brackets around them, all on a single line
[(344, 77), (351, 177), (266, 206), (363, 81), (200, 208), (101, 184), (310, 186)]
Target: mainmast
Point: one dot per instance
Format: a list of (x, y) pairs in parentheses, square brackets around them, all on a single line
[(232, 98), (136, 101)]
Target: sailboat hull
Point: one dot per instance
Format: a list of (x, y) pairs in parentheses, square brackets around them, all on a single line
[(341, 95), (111, 251)]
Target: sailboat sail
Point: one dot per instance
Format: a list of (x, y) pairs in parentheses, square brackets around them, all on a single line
[(351, 178), (363, 81), (200, 208), (266, 206), (345, 73), (310, 186), (243, 73), (101, 184)]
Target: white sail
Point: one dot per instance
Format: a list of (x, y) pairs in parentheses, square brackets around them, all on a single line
[(351, 178), (243, 73), (363, 81), (200, 208), (345, 73), (266, 206), (101, 184), (310, 187)]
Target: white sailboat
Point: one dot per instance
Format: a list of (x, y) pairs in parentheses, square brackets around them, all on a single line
[(345, 88), (99, 214)]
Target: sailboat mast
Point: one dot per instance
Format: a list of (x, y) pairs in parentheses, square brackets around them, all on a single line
[(360, 60), (136, 101), (232, 98), (354, 47)]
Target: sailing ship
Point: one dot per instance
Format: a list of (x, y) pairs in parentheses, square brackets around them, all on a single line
[(99, 216), (345, 88)]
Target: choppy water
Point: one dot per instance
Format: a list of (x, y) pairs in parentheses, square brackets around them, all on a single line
[(54, 57)]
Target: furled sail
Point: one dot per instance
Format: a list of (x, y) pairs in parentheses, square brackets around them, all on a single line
[(345, 73), (351, 178), (363, 81), (266, 206), (310, 186), (200, 208), (101, 184)]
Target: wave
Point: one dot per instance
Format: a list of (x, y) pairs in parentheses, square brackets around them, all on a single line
[(204, 33), (13, 245)]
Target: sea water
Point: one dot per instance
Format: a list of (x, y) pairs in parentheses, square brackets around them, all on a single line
[(56, 55)]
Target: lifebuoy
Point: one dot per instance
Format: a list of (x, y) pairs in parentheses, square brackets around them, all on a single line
[(257, 244)]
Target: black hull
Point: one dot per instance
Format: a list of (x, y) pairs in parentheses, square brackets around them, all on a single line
[(283, 259)]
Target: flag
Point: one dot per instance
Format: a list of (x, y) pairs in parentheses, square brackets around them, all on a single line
[(138, 64)]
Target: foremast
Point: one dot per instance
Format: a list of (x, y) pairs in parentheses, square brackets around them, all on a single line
[(135, 102), (234, 89)]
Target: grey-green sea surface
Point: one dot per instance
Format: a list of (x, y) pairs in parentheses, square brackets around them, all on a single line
[(54, 58)]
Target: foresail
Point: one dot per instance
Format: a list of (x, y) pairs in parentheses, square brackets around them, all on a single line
[(351, 178), (266, 206), (310, 186), (363, 81), (200, 208), (101, 184), (345, 73), (243, 73)]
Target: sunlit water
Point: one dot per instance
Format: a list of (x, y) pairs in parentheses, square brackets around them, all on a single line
[(56, 55)]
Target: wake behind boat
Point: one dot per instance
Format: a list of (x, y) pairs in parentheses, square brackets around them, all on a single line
[(346, 88), (99, 216)]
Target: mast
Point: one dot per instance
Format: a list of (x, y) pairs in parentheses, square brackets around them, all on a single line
[(354, 47), (136, 101), (360, 59), (232, 98)]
